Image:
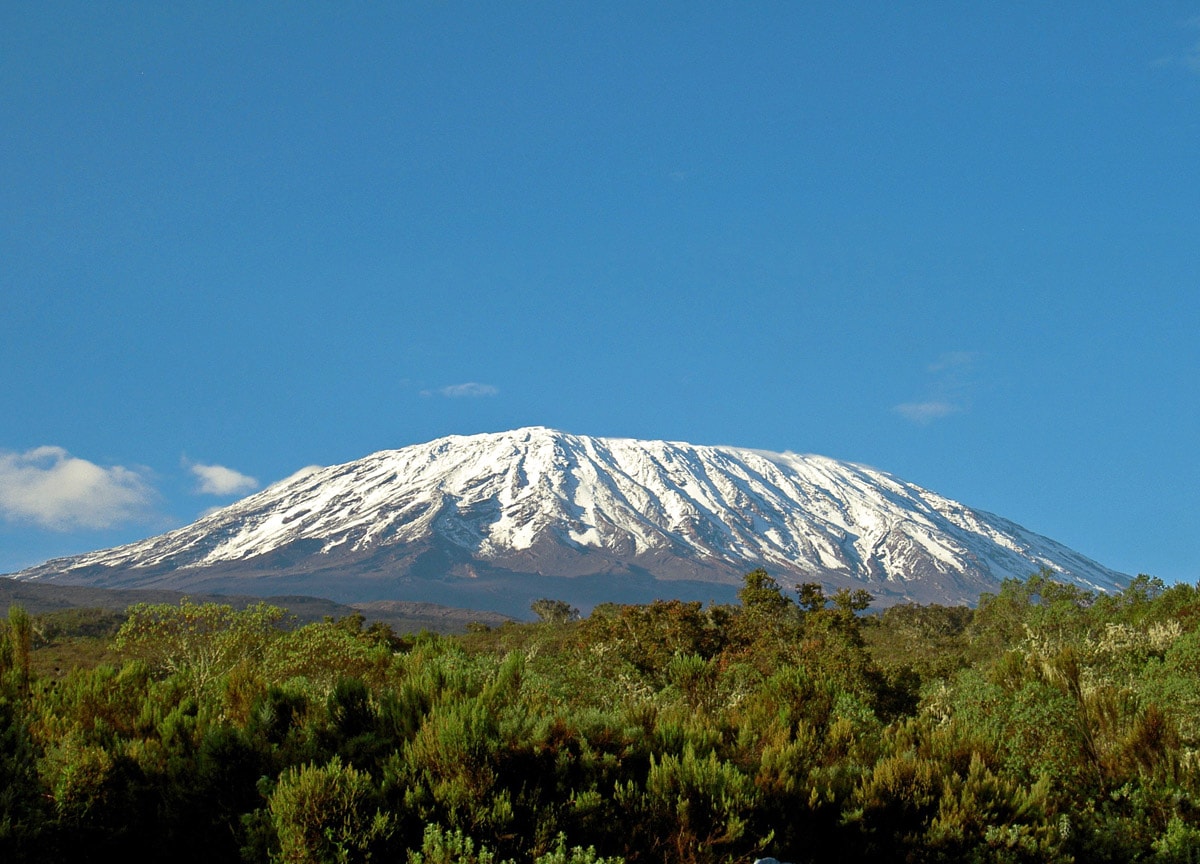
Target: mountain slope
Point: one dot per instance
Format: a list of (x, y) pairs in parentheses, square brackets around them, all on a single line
[(489, 515)]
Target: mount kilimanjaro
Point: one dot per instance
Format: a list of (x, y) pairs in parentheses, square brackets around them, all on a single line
[(493, 521)]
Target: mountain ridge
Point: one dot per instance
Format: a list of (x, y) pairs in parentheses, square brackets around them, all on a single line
[(538, 504)]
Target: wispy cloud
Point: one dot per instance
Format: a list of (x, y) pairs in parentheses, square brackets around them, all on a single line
[(952, 362), (219, 480), (469, 390), (926, 412), (1189, 58), (948, 391), (53, 489)]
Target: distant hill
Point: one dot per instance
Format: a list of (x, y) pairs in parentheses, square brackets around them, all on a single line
[(403, 617)]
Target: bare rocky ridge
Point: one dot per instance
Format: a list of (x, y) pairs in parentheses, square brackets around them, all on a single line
[(493, 521)]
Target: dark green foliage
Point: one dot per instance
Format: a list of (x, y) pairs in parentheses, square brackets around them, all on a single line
[(692, 808), (22, 813), (18, 639), (1048, 725), (761, 595), (648, 637)]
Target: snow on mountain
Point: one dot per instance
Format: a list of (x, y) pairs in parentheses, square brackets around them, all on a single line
[(534, 503)]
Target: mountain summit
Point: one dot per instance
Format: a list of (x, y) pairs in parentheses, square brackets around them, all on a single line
[(494, 520)]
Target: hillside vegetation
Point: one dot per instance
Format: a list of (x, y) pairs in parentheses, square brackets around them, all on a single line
[(1045, 725)]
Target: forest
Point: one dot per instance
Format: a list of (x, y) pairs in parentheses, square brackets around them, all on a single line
[(1045, 724)]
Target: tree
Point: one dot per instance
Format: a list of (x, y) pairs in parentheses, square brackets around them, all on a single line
[(200, 641), (649, 636), (761, 594), (852, 602), (812, 596), (20, 629), (554, 611)]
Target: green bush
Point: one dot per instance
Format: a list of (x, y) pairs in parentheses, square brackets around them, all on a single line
[(327, 813)]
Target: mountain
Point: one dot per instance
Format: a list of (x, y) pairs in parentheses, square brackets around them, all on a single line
[(494, 521)]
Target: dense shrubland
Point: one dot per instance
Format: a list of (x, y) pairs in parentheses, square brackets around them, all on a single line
[(1045, 725)]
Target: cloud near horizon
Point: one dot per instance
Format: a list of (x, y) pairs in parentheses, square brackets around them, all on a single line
[(469, 390), (53, 489), (219, 480)]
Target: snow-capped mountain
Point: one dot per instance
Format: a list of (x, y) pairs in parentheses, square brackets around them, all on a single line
[(494, 520)]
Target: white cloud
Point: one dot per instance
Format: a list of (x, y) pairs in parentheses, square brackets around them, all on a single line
[(219, 480), (1192, 60), (469, 390), (952, 361), (926, 412), (53, 489), (948, 391), (1190, 57)]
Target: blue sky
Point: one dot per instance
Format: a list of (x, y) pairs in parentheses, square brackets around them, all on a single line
[(959, 242)]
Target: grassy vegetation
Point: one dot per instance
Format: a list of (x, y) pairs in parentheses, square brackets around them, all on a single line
[(1045, 725), (71, 639)]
